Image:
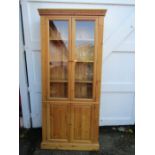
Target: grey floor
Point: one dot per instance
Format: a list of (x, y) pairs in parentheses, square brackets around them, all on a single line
[(113, 141)]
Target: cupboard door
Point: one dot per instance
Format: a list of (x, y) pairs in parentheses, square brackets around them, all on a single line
[(58, 121), (58, 58), (82, 122), (84, 55)]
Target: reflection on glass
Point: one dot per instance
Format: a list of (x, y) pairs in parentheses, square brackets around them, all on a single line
[(83, 90), (84, 50), (58, 71), (85, 40), (58, 51), (58, 30), (84, 71), (58, 90), (58, 55), (84, 53), (58, 40), (85, 30)]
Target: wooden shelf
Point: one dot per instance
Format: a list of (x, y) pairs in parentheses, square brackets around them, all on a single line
[(83, 81), (68, 40), (60, 61), (76, 81), (84, 61), (73, 61), (58, 39), (85, 39), (58, 81)]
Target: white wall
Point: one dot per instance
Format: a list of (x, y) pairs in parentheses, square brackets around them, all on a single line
[(117, 94)]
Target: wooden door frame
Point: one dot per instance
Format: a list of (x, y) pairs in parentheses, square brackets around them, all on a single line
[(71, 63), (46, 53), (84, 18), (99, 59)]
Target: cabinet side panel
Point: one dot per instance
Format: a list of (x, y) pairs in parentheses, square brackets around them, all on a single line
[(44, 51), (99, 57), (95, 120), (43, 67)]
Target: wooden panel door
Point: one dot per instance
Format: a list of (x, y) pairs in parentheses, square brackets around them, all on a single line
[(58, 119), (82, 116), (84, 54)]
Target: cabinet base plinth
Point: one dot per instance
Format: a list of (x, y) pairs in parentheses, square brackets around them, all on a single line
[(70, 146)]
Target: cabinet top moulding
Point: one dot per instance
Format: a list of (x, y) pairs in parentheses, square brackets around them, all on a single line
[(73, 12)]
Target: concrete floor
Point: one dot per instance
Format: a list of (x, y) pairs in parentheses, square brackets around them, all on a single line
[(113, 141)]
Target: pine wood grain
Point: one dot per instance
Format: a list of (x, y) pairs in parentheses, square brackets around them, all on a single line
[(70, 96), (73, 12)]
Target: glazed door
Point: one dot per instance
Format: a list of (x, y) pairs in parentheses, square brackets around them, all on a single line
[(84, 49), (72, 48), (58, 58)]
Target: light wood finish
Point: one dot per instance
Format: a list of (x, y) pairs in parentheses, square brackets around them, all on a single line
[(70, 146), (44, 79), (81, 120), (59, 59), (99, 60), (70, 122), (72, 12), (58, 122), (83, 68)]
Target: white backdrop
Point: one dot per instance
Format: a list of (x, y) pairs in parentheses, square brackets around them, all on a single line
[(117, 94)]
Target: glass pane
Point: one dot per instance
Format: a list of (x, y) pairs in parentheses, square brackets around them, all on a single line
[(58, 90), (84, 55), (84, 72), (58, 30), (85, 40), (58, 71), (83, 90), (85, 30), (58, 57)]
